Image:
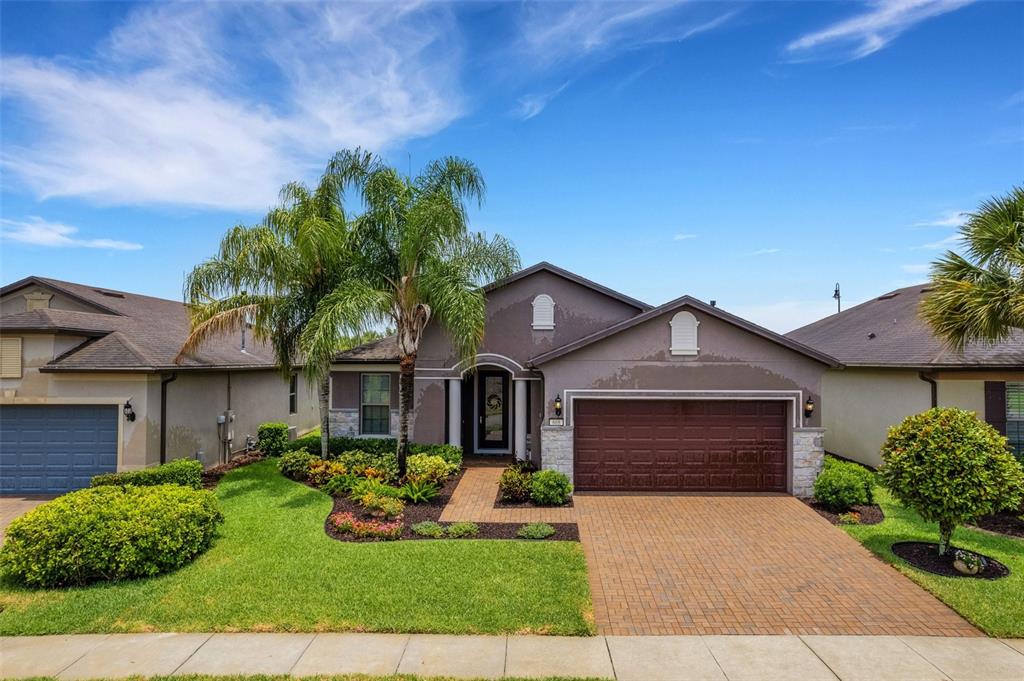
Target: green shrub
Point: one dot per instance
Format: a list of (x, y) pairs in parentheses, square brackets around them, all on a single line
[(550, 488), (339, 485), (419, 491), (109, 533), (866, 475), (463, 529), (382, 466), (535, 531), (951, 468), (839, 488), (450, 453), (514, 484), (296, 464), (382, 506), (364, 486), (184, 472), (428, 467), (272, 438), (322, 470), (428, 528)]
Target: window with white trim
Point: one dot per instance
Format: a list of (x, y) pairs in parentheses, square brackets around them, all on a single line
[(375, 404), (684, 334), (10, 357), (543, 313)]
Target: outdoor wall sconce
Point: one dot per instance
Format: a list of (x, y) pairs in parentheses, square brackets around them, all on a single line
[(129, 413), (558, 406), (808, 407)]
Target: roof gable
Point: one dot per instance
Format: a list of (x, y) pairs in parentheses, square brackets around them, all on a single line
[(571, 276)]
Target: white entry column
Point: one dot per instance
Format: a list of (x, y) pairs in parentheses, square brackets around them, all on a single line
[(455, 411), (519, 417)]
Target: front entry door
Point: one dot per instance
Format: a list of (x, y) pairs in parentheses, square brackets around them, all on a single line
[(492, 410)]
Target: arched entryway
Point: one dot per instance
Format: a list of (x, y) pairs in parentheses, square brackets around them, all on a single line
[(488, 411)]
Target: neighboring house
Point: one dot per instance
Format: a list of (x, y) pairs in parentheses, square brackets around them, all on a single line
[(615, 393), (89, 385), (894, 366)]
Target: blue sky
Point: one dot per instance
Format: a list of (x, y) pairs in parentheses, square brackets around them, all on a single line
[(752, 153)]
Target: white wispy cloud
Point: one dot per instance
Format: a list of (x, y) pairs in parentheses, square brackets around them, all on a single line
[(684, 237), (532, 104), (174, 107), (949, 242), (766, 251), (919, 268), (953, 218), (871, 30), (39, 232)]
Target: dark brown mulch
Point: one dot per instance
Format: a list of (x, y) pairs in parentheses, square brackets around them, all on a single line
[(212, 475), (417, 513), (502, 503), (926, 557), (869, 515), (1008, 523)]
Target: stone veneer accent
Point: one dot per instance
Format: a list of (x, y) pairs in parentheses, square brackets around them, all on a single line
[(556, 449), (808, 457), (345, 423)]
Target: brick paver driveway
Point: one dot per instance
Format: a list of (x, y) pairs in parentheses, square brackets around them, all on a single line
[(12, 507), (723, 564)]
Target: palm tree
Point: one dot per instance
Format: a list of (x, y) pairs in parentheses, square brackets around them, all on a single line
[(981, 297), (414, 261), (270, 277)]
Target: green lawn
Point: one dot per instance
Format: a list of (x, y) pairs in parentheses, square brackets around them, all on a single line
[(274, 569), (997, 607)]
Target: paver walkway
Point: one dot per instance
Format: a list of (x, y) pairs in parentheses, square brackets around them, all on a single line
[(724, 564), (12, 507), (637, 658)]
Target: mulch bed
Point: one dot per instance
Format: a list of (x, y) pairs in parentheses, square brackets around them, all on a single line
[(1006, 523), (212, 475), (417, 513), (869, 515), (925, 556), (502, 503)]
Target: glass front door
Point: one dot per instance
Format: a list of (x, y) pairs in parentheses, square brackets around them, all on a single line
[(492, 410)]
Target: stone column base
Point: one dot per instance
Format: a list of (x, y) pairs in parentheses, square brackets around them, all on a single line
[(556, 449), (808, 458)]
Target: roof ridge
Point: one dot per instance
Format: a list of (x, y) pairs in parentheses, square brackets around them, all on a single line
[(570, 276)]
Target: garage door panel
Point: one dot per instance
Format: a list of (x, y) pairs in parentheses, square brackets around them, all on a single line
[(49, 449), (681, 445)]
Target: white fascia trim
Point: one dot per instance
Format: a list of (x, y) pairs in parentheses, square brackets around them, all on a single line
[(794, 396)]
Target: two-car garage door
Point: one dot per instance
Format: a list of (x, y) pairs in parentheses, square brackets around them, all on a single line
[(51, 449), (681, 445)]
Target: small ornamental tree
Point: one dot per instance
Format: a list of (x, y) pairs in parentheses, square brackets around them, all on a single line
[(950, 467)]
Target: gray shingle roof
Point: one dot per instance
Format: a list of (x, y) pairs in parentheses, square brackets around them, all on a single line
[(134, 332), (382, 350), (888, 331)]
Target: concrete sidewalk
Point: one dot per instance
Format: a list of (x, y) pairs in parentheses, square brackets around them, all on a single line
[(627, 658)]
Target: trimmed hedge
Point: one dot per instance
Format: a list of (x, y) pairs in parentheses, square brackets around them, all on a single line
[(839, 488), (109, 533), (272, 438), (184, 472), (379, 446), (866, 476), (550, 488)]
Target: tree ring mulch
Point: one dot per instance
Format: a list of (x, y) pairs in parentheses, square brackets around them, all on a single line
[(925, 556), (416, 513), (502, 503), (870, 514), (1010, 523)]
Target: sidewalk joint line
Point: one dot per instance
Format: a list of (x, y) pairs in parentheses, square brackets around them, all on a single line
[(703, 640), (102, 640), (398, 665), (611, 660), (814, 652), (295, 664), (205, 641)]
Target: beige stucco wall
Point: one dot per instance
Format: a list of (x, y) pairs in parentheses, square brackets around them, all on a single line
[(860, 405)]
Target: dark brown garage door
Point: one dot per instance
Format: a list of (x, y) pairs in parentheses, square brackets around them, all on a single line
[(684, 445)]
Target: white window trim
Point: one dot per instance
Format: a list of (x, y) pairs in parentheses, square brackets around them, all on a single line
[(683, 351), (543, 326), (373, 404)]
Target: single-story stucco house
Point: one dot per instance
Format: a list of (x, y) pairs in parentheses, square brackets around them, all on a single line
[(894, 366), (89, 384), (617, 394)]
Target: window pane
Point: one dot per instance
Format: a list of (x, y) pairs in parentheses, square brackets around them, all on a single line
[(376, 420), (376, 389)]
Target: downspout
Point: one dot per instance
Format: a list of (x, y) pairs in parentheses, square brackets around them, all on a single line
[(163, 414), (934, 386)]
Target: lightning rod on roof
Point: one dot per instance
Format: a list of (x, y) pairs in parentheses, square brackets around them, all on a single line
[(838, 298)]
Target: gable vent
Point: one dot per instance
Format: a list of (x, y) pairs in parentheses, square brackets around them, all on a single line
[(543, 313), (109, 294), (684, 334)]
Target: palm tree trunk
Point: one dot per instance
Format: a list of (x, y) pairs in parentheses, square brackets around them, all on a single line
[(407, 369), (324, 394)]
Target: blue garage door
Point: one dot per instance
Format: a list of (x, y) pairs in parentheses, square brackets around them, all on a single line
[(53, 449)]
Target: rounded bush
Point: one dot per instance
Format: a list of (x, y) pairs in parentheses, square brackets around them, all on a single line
[(951, 468), (535, 531), (295, 465), (462, 530), (272, 438), (550, 488), (109, 533), (839, 488), (514, 484), (865, 474)]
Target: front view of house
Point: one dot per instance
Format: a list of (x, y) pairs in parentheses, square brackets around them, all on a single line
[(617, 394)]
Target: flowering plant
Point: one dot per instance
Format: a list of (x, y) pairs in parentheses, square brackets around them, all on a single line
[(366, 529)]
